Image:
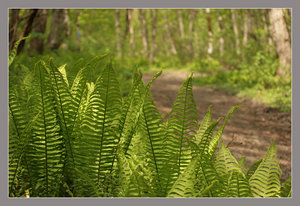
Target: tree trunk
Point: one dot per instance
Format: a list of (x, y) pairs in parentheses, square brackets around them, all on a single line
[(169, 36), (144, 32), (264, 15), (13, 25), (60, 28), (27, 28), (236, 32), (131, 33), (220, 21), (118, 34), (209, 28), (39, 27), (281, 38), (192, 17), (246, 27), (180, 23), (153, 15), (76, 14)]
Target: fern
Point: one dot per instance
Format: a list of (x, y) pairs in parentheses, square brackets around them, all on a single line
[(265, 182), (98, 128), (182, 125), (286, 188), (13, 53), (235, 182), (45, 151), (69, 136)]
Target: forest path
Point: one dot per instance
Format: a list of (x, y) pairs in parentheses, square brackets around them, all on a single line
[(249, 131)]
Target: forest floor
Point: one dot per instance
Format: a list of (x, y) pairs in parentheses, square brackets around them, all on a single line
[(249, 131)]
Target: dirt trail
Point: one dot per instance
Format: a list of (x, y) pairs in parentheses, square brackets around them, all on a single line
[(249, 131)]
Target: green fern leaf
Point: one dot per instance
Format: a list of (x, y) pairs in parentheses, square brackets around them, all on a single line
[(184, 185), (133, 177), (235, 184), (253, 168), (216, 138), (13, 53), (265, 182), (225, 162), (182, 125), (286, 188), (45, 151), (98, 128)]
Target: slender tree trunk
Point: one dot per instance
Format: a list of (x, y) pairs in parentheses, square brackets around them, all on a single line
[(268, 38), (169, 36), (180, 23), (39, 26), (131, 33), (118, 34), (153, 13), (192, 17), (60, 28), (13, 25), (221, 40), (246, 27), (27, 28), (76, 14), (281, 38), (209, 28), (126, 24), (236, 32), (144, 32)]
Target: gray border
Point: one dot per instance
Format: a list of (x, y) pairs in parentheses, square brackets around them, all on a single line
[(5, 4)]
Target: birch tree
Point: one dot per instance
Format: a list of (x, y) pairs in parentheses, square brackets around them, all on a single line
[(281, 38)]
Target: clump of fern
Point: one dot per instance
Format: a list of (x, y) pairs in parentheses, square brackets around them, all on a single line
[(82, 139)]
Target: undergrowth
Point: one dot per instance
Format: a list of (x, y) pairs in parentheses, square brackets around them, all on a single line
[(255, 79), (78, 137)]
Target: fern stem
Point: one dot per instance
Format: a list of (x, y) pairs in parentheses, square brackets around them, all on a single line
[(45, 129), (103, 123)]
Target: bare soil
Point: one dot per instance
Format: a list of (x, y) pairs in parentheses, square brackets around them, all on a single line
[(250, 130)]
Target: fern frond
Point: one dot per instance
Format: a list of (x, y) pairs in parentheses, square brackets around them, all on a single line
[(206, 121), (236, 184), (45, 151), (225, 162), (13, 53), (99, 126), (206, 172), (286, 188), (242, 164), (134, 179), (150, 135), (265, 182), (253, 168), (184, 185), (182, 125), (133, 108), (216, 138)]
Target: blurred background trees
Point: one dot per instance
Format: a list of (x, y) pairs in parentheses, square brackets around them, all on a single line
[(251, 47)]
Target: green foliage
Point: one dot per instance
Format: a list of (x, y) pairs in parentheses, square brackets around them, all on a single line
[(74, 137), (255, 79)]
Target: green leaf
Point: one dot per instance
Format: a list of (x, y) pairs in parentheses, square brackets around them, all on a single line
[(182, 125), (265, 182), (286, 188), (99, 126), (45, 151), (13, 53)]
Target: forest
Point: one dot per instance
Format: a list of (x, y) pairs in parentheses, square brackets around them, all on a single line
[(150, 102)]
